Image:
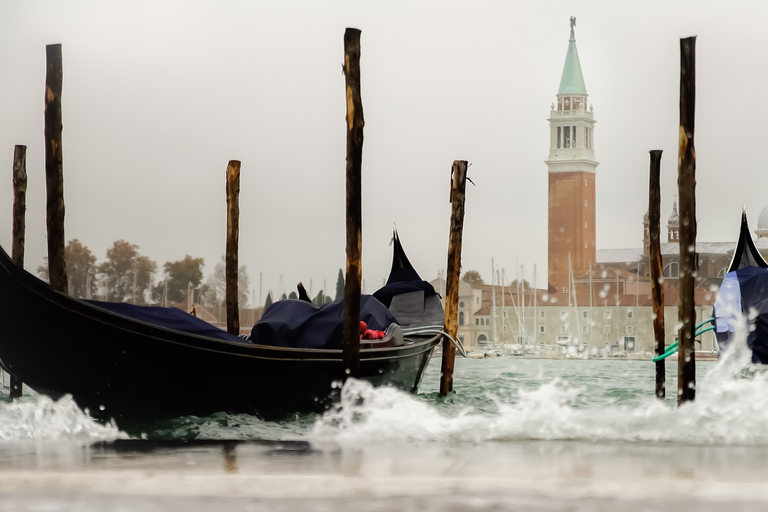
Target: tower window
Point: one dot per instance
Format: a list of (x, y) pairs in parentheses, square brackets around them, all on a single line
[(585, 224), (559, 129), (585, 203), (566, 137), (585, 182), (542, 329), (573, 130), (585, 245)]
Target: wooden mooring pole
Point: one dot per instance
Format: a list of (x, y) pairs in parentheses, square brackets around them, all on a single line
[(19, 226), (451, 325), (654, 252), (231, 264), (54, 173), (355, 124), (686, 184)]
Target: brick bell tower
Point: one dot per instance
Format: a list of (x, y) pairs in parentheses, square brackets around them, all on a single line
[(571, 167)]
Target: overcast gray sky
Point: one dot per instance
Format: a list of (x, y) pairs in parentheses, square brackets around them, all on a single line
[(159, 96)]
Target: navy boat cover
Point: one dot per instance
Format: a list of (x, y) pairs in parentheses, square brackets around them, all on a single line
[(300, 324), (170, 318)]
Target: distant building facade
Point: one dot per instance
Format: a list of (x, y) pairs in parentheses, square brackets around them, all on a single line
[(595, 300)]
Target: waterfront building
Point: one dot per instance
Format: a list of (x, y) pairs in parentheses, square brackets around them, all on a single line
[(596, 301)]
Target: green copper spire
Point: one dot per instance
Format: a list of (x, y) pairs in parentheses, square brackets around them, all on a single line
[(572, 81)]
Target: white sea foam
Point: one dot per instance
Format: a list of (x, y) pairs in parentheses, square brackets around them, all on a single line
[(41, 419), (727, 410)]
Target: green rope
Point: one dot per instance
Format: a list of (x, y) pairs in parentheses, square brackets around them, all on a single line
[(673, 347)]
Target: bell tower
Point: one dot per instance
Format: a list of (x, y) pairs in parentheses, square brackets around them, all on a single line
[(571, 167)]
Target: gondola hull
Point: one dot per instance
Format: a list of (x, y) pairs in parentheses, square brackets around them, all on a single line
[(119, 367)]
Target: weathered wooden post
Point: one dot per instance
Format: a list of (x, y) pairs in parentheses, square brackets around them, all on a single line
[(54, 172), (19, 226), (654, 253), (686, 184), (233, 229), (451, 325), (355, 124)]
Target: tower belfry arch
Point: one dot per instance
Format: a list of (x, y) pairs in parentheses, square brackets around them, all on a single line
[(571, 169)]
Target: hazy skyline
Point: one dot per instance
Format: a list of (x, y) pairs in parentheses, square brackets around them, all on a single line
[(159, 96)]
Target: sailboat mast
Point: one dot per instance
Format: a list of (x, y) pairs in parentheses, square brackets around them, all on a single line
[(503, 325), (535, 309), (522, 285), (591, 313), (493, 304)]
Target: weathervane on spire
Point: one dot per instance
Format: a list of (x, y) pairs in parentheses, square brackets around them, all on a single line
[(573, 24)]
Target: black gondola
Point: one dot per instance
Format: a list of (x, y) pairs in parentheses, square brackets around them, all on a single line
[(117, 366)]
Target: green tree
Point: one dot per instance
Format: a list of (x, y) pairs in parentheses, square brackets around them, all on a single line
[(215, 287), (126, 274), (293, 296), (81, 269), (473, 277), (319, 299), (283, 297), (340, 285), (268, 302), (514, 284), (180, 276)]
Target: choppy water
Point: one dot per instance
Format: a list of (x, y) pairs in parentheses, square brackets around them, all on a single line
[(495, 399), (517, 434)]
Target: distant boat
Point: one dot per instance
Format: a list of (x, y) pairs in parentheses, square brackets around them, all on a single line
[(125, 361)]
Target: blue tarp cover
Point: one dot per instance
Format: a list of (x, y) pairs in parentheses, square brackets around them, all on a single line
[(300, 324), (742, 291), (171, 318)]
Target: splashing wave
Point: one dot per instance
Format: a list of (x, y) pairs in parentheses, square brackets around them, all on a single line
[(727, 410), (41, 418)]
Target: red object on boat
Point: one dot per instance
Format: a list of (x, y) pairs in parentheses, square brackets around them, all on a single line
[(369, 334)]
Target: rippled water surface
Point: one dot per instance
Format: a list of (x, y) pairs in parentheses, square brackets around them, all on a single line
[(495, 399), (517, 434)]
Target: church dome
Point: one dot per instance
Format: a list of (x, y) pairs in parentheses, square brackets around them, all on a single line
[(674, 219), (762, 223)]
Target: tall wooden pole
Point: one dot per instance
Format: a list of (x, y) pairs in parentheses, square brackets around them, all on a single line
[(654, 251), (355, 124), (19, 226), (233, 230), (54, 176), (686, 184), (451, 326)]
